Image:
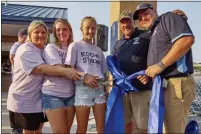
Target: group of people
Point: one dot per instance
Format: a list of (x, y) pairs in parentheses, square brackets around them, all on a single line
[(165, 49), (53, 82)]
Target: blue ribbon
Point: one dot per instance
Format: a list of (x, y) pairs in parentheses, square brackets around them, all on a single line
[(156, 109), (114, 122)]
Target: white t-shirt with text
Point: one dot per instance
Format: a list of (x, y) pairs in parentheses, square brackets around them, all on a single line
[(87, 58)]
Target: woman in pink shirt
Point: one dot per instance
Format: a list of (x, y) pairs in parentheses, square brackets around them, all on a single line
[(59, 93)]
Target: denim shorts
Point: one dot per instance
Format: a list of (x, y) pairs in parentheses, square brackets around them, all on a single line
[(52, 102), (86, 96)]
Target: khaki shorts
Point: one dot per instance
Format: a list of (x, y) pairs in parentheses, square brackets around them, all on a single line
[(136, 108), (179, 95)]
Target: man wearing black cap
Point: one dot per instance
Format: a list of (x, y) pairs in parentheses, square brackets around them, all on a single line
[(170, 56), (131, 51), (22, 35)]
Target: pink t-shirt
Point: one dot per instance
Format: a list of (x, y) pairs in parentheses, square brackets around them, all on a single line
[(87, 58), (53, 85), (24, 94)]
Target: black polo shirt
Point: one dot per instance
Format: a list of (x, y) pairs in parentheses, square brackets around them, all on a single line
[(170, 28), (132, 55)]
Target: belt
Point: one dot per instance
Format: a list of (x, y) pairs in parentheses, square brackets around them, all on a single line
[(178, 75)]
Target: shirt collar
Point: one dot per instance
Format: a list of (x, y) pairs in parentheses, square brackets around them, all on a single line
[(155, 23)]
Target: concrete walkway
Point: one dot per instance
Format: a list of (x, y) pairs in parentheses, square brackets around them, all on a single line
[(5, 127)]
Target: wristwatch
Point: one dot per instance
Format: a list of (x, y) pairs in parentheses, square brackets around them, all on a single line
[(161, 65)]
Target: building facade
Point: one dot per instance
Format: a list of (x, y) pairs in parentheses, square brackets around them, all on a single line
[(15, 17)]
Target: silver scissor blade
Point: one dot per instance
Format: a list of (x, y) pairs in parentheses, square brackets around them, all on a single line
[(106, 83)]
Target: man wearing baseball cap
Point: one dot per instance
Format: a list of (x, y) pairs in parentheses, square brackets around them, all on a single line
[(141, 7), (170, 56), (22, 35), (131, 51)]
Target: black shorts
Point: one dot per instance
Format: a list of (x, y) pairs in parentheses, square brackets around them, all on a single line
[(28, 121)]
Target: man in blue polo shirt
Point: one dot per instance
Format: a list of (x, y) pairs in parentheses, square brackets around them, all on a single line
[(131, 51), (170, 56)]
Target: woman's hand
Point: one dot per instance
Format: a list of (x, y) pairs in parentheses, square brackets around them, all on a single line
[(91, 81), (73, 74)]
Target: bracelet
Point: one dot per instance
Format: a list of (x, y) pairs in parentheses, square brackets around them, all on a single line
[(82, 77), (161, 65)]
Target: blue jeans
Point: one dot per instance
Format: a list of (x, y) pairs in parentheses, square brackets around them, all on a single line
[(52, 102), (86, 96)]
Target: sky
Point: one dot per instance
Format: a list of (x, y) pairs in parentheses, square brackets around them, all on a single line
[(101, 11)]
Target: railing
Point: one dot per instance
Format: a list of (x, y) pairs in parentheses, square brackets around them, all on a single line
[(196, 104)]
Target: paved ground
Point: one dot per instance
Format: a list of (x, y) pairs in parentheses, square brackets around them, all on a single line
[(5, 127)]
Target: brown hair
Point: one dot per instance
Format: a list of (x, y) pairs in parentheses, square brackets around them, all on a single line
[(70, 39)]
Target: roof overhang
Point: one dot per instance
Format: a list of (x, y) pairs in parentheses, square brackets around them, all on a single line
[(25, 14), (15, 16), (5, 19)]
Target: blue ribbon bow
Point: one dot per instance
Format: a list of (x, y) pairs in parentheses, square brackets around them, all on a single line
[(114, 122)]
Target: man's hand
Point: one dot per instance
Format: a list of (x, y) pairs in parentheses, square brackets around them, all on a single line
[(91, 81), (143, 78), (181, 13), (153, 70)]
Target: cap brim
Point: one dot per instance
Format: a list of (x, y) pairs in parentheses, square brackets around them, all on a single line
[(135, 15), (125, 17)]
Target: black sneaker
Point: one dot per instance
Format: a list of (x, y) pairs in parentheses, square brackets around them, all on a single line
[(16, 131)]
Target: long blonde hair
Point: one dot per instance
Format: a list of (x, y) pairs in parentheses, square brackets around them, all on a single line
[(65, 22), (34, 24)]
